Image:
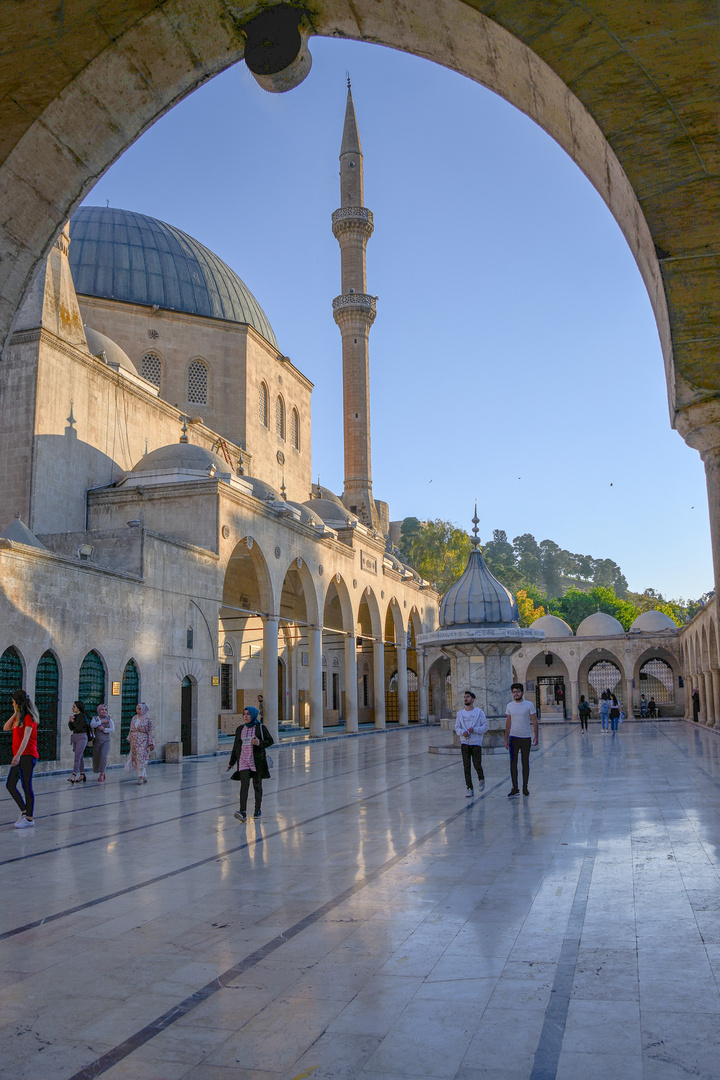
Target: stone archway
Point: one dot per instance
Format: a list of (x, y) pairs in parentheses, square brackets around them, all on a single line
[(561, 67)]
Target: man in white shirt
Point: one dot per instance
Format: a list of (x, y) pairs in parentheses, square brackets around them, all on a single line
[(521, 729), (470, 726)]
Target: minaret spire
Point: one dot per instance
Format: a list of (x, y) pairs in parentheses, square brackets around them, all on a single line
[(354, 312)]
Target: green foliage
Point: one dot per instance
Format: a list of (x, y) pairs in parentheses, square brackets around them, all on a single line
[(438, 550)]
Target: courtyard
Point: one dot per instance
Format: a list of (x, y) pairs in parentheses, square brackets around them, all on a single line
[(373, 923)]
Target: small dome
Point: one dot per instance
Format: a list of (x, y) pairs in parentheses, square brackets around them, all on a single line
[(552, 626), (478, 598), (18, 532), (333, 514), (306, 516), (652, 622), (184, 457), (98, 343), (599, 625), (320, 492), (261, 490)]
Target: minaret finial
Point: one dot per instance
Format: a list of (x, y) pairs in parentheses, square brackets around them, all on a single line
[(348, 80), (183, 437), (475, 539)]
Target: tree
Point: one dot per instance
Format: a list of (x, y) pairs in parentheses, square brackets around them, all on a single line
[(551, 562), (528, 558), (437, 549), (526, 607), (499, 555)]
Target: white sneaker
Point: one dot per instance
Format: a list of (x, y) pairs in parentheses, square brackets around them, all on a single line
[(481, 785), (469, 793), (23, 823)]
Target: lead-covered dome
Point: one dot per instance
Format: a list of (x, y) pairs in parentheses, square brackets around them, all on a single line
[(121, 255), (652, 622), (183, 458), (478, 598), (553, 627), (599, 624)]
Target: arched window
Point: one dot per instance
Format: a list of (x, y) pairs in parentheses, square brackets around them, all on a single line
[(295, 429), (46, 701), (604, 675), (280, 417), (656, 681), (197, 383), (151, 368), (129, 700), (91, 684), (11, 678), (263, 405)]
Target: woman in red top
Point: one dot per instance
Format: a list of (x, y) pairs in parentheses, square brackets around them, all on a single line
[(23, 723)]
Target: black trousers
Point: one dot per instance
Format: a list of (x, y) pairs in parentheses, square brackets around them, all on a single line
[(522, 747), (245, 776), (583, 721), (23, 772), (472, 754)]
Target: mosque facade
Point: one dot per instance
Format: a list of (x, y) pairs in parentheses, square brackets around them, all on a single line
[(162, 538)]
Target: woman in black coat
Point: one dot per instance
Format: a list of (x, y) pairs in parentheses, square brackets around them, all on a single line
[(252, 739)]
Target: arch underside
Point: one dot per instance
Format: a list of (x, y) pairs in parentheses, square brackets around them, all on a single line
[(635, 110)]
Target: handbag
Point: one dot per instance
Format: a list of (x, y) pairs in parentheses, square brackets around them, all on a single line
[(270, 763)]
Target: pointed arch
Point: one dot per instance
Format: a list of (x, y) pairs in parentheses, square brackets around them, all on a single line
[(295, 429), (128, 702), (47, 700), (12, 670), (152, 367), (92, 682), (198, 382)]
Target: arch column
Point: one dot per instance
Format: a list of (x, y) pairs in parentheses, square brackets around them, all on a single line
[(351, 683), (316, 698), (379, 682), (270, 675), (401, 652), (709, 703), (629, 711), (715, 678), (699, 425), (574, 698), (423, 702)]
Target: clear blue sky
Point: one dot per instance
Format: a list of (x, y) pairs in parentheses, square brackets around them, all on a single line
[(514, 358)]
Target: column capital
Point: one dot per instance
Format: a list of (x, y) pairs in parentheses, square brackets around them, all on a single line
[(699, 425)]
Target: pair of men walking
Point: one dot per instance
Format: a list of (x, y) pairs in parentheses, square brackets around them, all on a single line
[(521, 732)]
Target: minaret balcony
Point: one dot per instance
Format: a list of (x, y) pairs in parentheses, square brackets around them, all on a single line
[(352, 217), (354, 302)]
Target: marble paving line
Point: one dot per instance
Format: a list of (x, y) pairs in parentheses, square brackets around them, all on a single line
[(182, 789), (164, 821), (215, 857), (550, 1043), (144, 1035)]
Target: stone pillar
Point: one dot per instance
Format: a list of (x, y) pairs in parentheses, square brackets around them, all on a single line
[(709, 703), (379, 682), (574, 699), (702, 718), (270, 675), (401, 651), (629, 711), (351, 684), (699, 425), (715, 676), (316, 697), (423, 702)]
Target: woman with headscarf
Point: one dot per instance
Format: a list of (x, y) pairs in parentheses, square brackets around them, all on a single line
[(252, 739), (80, 733), (24, 724), (141, 742), (102, 727)]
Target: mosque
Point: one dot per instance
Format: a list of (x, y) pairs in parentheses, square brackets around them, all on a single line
[(168, 544)]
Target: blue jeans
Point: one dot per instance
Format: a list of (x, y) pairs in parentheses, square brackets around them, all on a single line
[(614, 723), (604, 718)]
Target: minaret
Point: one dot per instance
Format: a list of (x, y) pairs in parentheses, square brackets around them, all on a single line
[(354, 312)]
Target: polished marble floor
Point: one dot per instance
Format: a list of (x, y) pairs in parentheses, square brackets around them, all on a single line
[(373, 924)]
